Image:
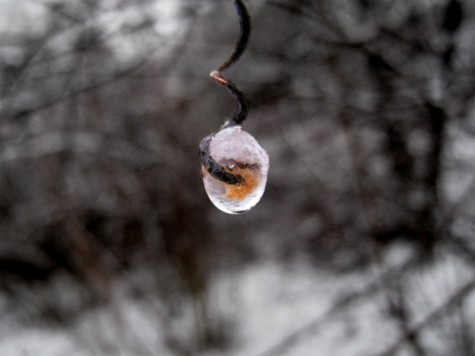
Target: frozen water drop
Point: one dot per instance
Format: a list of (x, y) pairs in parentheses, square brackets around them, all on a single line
[(241, 155)]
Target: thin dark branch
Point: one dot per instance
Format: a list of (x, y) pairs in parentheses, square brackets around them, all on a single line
[(217, 75), (292, 9), (460, 245), (399, 310), (82, 89), (340, 306), (313, 12), (241, 45), (439, 312), (242, 103)]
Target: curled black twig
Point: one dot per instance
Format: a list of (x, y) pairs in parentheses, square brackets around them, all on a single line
[(241, 45), (242, 104), (211, 166)]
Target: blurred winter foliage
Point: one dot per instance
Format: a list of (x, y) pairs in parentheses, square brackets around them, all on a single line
[(364, 242)]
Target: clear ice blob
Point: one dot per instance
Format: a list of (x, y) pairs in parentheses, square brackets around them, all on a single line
[(241, 155)]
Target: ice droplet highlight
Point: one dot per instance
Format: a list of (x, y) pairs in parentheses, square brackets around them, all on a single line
[(241, 155)]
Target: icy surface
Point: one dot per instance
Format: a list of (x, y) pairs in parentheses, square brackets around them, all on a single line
[(240, 154)]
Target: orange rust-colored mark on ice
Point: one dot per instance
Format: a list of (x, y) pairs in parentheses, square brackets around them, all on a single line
[(241, 190)]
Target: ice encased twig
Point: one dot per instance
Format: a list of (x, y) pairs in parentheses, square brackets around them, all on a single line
[(240, 154)]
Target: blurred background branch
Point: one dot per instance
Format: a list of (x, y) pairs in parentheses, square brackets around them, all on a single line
[(363, 242)]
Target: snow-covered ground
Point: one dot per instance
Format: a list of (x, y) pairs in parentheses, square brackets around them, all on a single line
[(274, 309)]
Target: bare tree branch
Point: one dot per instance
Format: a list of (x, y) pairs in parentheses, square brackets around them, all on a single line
[(439, 312), (19, 112), (338, 307)]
